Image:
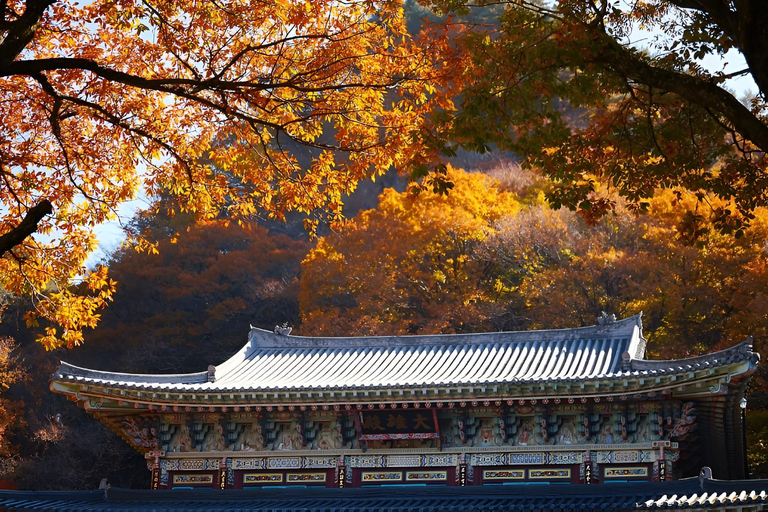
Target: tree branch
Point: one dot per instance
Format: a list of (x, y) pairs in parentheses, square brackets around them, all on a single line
[(692, 88), (27, 226), (22, 30), (744, 23)]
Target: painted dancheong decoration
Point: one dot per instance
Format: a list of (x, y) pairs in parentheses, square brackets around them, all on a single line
[(576, 405)]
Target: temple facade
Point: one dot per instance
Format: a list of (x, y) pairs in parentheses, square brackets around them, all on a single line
[(557, 406)]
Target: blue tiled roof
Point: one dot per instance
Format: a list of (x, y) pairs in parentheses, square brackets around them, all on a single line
[(614, 497)]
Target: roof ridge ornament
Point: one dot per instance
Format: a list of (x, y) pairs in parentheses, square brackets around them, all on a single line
[(605, 318), (211, 373), (704, 475), (626, 328), (283, 330), (626, 361)]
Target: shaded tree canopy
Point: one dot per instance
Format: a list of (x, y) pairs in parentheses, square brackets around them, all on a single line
[(200, 101), (190, 305), (616, 93)]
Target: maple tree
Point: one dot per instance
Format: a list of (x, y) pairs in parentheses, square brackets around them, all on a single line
[(407, 266), (11, 411), (615, 93), (206, 102)]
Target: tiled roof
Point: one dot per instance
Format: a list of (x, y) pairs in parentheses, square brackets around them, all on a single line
[(615, 497), (271, 361), (711, 494)]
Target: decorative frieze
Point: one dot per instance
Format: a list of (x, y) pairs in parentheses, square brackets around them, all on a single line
[(189, 464), (488, 459), (525, 458), (403, 461), (549, 474), (504, 474), (284, 463), (249, 464), (366, 461), (536, 427), (627, 456), (306, 478), (440, 460), (565, 458), (379, 477), (426, 476), (626, 472), (192, 479), (604, 457), (319, 462), (262, 478)]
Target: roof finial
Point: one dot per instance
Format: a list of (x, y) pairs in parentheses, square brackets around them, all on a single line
[(211, 373), (105, 486), (605, 318), (705, 474), (283, 330)]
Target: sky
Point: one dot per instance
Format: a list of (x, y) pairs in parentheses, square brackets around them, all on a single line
[(110, 234)]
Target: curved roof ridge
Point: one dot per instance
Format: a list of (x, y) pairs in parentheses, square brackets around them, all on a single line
[(239, 356), (278, 361), (263, 339), (72, 371), (740, 351)]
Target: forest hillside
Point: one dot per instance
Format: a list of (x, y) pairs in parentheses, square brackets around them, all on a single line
[(491, 255), (366, 167)]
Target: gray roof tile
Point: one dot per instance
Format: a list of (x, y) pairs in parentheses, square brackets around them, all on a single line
[(276, 362)]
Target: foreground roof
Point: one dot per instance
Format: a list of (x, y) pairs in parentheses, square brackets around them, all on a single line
[(613, 351), (689, 493)]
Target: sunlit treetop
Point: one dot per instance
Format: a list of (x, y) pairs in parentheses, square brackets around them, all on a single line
[(406, 266)]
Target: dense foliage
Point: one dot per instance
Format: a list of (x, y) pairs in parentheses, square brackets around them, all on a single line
[(406, 267), (193, 302), (616, 93), (484, 258), (204, 102)]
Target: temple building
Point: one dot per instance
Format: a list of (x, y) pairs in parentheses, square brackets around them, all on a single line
[(576, 405)]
